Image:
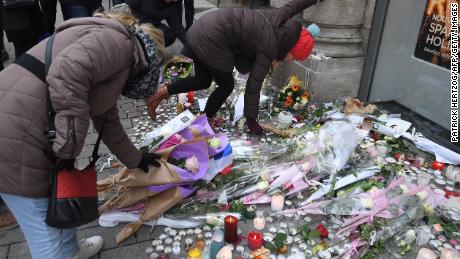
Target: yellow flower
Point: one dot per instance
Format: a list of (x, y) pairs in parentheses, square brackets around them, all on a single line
[(294, 81)]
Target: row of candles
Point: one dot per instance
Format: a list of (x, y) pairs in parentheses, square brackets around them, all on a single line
[(230, 235)]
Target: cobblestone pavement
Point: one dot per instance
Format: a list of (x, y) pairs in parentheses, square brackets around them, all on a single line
[(12, 242)]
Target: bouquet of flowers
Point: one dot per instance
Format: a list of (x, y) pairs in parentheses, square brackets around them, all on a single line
[(294, 95), (178, 67)]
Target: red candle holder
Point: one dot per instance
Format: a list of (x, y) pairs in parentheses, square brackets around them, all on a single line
[(254, 240), (231, 229)]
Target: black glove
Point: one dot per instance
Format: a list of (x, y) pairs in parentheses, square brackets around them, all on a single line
[(254, 127), (149, 159), (68, 164)]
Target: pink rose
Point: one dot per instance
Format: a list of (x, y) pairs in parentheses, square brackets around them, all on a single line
[(192, 164)]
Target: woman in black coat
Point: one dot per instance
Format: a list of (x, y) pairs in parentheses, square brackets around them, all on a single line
[(247, 39)]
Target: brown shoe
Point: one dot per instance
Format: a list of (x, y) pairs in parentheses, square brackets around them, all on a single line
[(7, 220), (155, 100)]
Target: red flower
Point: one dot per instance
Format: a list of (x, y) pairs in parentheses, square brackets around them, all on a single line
[(226, 207), (322, 231)]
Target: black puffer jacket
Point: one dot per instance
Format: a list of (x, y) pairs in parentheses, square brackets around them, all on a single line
[(259, 35)]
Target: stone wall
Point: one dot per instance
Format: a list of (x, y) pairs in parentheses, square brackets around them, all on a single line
[(345, 29)]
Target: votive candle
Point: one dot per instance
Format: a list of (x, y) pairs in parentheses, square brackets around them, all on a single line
[(194, 253), (254, 240), (259, 221), (231, 229), (277, 202)]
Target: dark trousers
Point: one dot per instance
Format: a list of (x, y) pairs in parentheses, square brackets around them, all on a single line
[(202, 80), (49, 10), (169, 34), (189, 7), (75, 11)]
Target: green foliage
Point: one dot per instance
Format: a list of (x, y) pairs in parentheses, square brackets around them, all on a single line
[(277, 243), (308, 234), (375, 251)]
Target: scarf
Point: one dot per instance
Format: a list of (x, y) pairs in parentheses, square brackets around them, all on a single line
[(144, 85)]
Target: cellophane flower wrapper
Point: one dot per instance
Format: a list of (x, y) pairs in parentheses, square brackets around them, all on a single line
[(178, 67), (197, 129), (294, 95), (154, 208), (156, 137), (135, 185), (399, 199)]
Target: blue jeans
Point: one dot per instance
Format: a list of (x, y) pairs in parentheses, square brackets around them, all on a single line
[(44, 241)]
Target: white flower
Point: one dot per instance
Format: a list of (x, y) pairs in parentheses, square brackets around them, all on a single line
[(305, 166), (214, 143), (404, 188), (410, 236), (296, 106), (289, 94), (304, 101), (422, 195), (297, 99), (367, 203), (192, 164)]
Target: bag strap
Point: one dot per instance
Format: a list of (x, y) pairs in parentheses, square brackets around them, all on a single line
[(40, 70), (51, 131)]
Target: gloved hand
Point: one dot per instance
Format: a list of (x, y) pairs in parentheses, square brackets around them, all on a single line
[(68, 164), (254, 127), (149, 159)]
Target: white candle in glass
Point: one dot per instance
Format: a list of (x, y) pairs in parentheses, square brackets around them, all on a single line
[(277, 202), (225, 253), (259, 221)]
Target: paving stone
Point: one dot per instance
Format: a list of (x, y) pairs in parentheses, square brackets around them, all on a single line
[(89, 225), (19, 250), (3, 252), (143, 233), (108, 234), (131, 251), (91, 138), (11, 236), (127, 124)]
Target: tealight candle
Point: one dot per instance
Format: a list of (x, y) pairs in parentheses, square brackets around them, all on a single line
[(277, 203), (225, 253), (176, 250), (254, 240), (259, 221), (194, 253), (231, 229)]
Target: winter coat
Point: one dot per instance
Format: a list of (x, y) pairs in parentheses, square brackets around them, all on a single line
[(221, 36), (92, 60), (155, 11)]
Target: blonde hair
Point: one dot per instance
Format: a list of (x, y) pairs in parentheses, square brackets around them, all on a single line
[(128, 20)]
